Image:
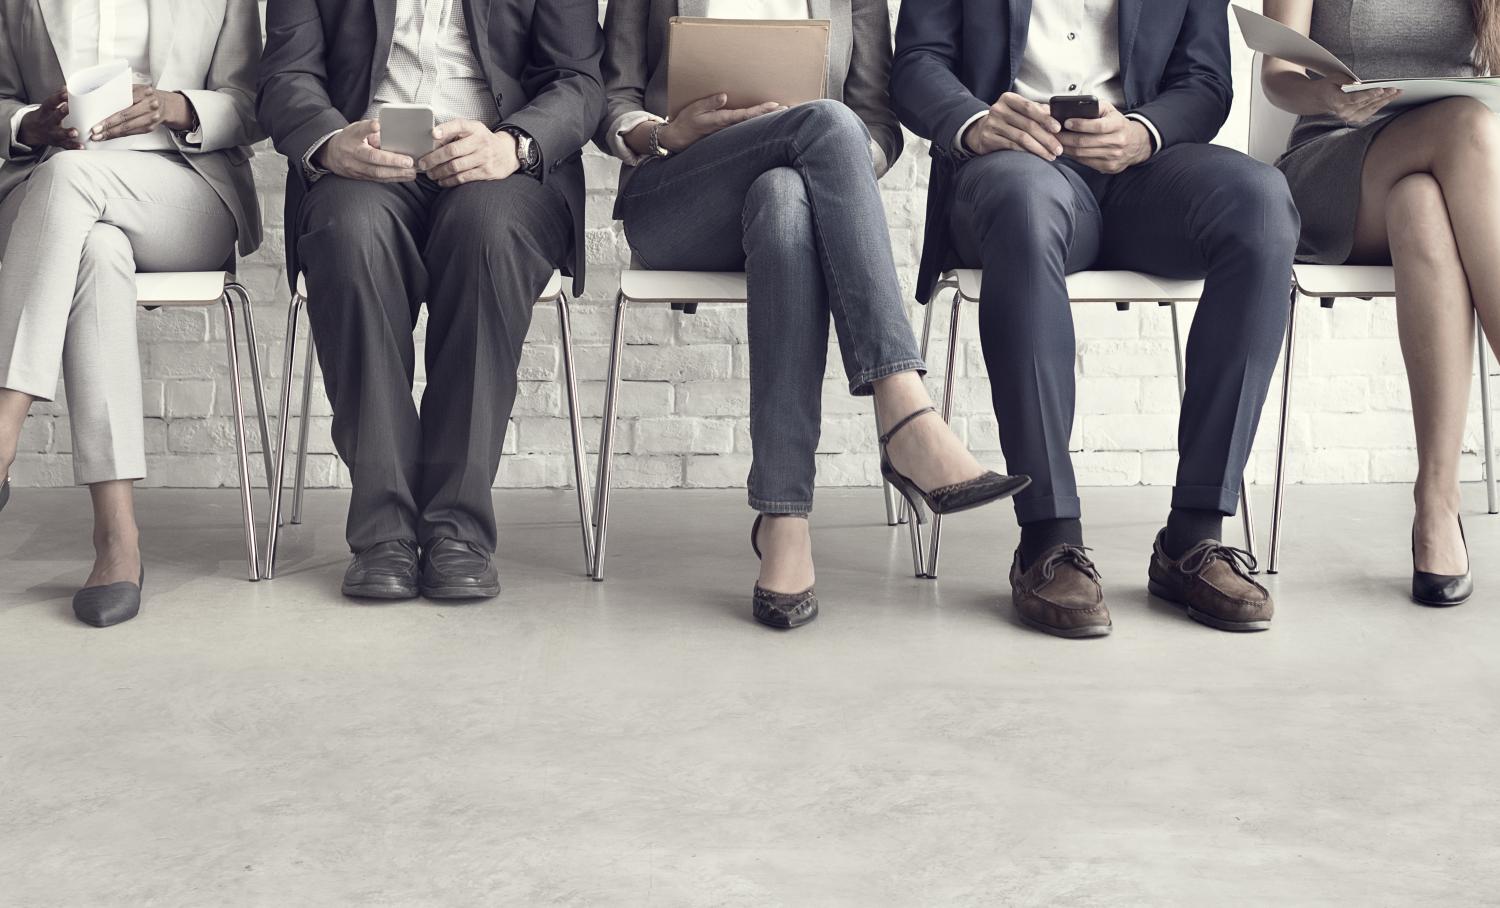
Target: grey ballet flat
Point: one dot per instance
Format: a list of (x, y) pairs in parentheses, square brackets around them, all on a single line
[(782, 611), (105, 606)]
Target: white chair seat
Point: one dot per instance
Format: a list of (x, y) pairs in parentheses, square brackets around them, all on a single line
[(180, 288), (551, 292), (1345, 280), (683, 286), (1106, 287)]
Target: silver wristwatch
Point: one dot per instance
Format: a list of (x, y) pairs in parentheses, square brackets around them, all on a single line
[(657, 149), (526, 150)]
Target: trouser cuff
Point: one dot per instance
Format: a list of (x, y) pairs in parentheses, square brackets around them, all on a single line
[(1054, 507), (863, 384), (781, 508), (87, 474), (1207, 498)]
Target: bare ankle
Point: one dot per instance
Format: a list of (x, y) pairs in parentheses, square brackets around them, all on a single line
[(1437, 500), (116, 540)]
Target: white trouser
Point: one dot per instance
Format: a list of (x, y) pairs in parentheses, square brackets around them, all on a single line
[(71, 239)]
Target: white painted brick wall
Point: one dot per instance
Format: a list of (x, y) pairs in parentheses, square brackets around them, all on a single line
[(684, 403)]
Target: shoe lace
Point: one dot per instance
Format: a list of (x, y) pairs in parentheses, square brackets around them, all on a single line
[(1075, 555), (1200, 556)]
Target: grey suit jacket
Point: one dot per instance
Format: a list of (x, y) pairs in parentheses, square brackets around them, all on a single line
[(859, 63), (323, 59), (205, 49)]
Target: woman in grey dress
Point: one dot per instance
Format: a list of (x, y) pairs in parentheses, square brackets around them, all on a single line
[(1416, 187)]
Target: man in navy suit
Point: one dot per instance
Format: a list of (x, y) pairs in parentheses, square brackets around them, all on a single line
[(1031, 200)]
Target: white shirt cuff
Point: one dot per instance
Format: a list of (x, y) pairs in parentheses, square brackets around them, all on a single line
[(1150, 127), (15, 129), (310, 170), (621, 127), (958, 139)]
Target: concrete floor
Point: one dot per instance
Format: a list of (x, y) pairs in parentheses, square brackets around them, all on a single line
[(642, 742)]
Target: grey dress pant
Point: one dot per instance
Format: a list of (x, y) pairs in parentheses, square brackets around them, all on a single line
[(73, 236), (791, 198), (1191, 211), (478, 255)]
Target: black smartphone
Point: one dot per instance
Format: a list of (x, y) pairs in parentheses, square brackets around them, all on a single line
[(1074, 107)]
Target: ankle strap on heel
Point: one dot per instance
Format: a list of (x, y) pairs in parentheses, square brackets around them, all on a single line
[(886, 438)]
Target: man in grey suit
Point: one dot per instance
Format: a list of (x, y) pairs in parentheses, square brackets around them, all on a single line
[(474, 229)]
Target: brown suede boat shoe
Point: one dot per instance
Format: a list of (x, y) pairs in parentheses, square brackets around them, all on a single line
[(1060, 593), (1212, 581)]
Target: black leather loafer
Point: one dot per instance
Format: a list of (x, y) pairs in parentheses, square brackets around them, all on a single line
[(453, 570), (105, 606), (387, 570)]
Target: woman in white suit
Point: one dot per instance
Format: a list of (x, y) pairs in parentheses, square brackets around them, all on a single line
[(163, 185)]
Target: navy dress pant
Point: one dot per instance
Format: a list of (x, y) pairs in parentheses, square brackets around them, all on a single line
[(1191, 211)]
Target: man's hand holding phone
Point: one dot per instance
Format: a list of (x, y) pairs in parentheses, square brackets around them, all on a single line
[(1015, 124), (1110, 143), (354, 153), (467, 152)]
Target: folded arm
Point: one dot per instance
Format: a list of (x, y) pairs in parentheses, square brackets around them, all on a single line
[(14, 104), (225, 106), (1197, 86), (1293, 89), (292, 102), (867, 88), (563, 81), (625, 75), (926, 92)]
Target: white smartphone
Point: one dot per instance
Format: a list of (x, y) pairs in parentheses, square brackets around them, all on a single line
[(406, 129)]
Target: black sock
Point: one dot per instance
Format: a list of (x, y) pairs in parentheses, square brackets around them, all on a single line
[(1037, 538), (1186, 527)]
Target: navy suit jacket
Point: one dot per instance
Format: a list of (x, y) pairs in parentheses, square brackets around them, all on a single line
[(323, 59), (954, 58)]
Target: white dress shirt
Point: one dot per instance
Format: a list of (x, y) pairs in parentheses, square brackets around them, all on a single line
[(716, 9), (432, 63), (107, 30), (757, 9), (1072, 48)]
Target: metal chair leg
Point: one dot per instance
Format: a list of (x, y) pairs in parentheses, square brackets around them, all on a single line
[(950, 373), (278, 480), (1286, 404), (247, 313), (575, 426), (607, 438), (1177, 353), (304, 423), (1489, 417), (231, 341), (1248, 521)]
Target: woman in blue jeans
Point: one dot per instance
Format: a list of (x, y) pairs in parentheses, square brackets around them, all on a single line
[(790, 197)]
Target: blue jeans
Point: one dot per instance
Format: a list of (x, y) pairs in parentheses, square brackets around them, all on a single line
[(1191, 211), (791, 199)]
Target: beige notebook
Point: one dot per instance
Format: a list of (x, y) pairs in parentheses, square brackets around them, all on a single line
[(751, 60)]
